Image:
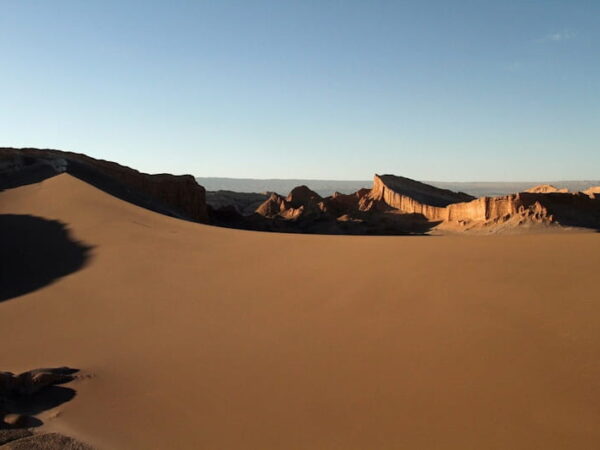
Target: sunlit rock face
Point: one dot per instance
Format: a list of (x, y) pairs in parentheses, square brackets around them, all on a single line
[(400, 204)]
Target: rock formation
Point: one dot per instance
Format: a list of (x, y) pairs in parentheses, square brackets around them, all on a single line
[(244, 203), (398, 205), (546, 189), (593, 192), (176, 195), (406, 194), (25, 395), (28, 383), (300, 203)]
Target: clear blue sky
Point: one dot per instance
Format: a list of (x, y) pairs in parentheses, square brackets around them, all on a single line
[(437, 90)]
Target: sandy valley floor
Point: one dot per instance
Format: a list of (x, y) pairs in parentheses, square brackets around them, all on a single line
[(196, 337)]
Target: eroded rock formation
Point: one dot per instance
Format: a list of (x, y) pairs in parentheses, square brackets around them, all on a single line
[(546, 189), (398, 205)]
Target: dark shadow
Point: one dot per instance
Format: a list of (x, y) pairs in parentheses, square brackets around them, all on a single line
[(34, 253), (46, 399), (24, 396), (32, 172), (568, 209), (379, 223)]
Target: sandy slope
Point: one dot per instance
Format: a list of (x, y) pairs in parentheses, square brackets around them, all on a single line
[(210, 338)]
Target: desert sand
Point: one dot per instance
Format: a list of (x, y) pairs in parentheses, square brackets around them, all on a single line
[(196, 337)]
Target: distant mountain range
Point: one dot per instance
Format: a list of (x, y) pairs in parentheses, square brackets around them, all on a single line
[(328, 187)]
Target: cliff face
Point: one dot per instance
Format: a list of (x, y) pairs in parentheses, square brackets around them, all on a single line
[(177, 195), (493, 212), (541, 205), (493, 208), (395, 191), (400, 205)]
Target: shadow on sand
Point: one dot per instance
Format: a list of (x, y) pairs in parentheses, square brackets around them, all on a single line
[(27, 407), (24, 396), (34, 253)]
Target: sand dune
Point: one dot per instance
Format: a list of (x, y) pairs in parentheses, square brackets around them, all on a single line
[(197, 337)]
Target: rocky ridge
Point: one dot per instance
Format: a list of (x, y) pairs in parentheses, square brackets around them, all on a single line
[(399, 205)]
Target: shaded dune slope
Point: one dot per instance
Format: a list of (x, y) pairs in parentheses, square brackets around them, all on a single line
[(205, 337), (175, 195)]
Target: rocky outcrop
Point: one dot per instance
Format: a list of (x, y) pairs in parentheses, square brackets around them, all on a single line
[(342, 204), (542, 205), (301, 202), (397, 205), (32, 381), (245, 203), (19, 397), (492, 208), (546, 189), (24, 396), (593, 192), (496, 212), (405, 194), (527, 208), (176, 195)]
